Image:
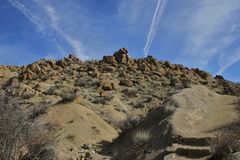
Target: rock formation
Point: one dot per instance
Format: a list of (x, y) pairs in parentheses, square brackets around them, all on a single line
[(103, 103)]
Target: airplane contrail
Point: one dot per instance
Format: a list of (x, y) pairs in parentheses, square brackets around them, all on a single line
[(155, 21)]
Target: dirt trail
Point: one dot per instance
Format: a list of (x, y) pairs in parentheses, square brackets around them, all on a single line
[(77, 125), (201, 111)]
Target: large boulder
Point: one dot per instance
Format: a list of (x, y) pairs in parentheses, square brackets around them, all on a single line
[(108, 85), (121, 56), (110, 60), (126, 82), (5, 75)]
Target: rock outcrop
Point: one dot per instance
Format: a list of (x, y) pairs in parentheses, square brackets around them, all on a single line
[(183, 128), (105, 102)]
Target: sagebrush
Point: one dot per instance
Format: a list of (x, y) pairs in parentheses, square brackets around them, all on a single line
[(141, 137), (19, 139), (226, 143)]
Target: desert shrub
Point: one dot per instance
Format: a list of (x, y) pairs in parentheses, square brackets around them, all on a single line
[(130, 93), (70, 137), (28, 94), (139, 105), (238, 102), (173, 81), (67, 94), (130, 122), (103, 100), (141, 137), (19, 139), (86, 81), (81, 82), (226, 143), (186, 83), (37, 110)]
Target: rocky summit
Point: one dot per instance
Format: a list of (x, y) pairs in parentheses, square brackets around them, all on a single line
[(123, 108)]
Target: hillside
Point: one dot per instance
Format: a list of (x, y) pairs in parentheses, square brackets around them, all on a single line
[(94, 108)]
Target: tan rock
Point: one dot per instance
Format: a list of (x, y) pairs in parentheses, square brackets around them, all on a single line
[(167, 64), (103, 94), (28, 93), (202, 74), (121, 56), (108, 85), (143, 67), (109, 59), (126, 82), (5, 75)]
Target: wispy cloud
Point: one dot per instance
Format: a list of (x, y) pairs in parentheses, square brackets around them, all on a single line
[(209, 29), (155, 21), (202, 33), (205, 31), (51, 29), (76, 44), (16, 52), (226, 62), (34, 19)]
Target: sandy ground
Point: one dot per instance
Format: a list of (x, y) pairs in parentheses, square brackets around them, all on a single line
[(77, 125), (201, 111)]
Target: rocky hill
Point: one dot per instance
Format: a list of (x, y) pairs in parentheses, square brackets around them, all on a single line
[(97, 107)]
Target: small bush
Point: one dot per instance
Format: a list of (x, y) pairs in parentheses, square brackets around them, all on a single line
[(103, 100), (226, 143), (19, 139), (86, 82), (130, 93), (70, 137), (37, 110), (81, 82), (140, 137), (28, 94), (130, 122), (68, 96)]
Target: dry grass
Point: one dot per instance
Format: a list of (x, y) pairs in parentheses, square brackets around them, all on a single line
[(129, 123), (70, 137), (141, 137), (19, 139), (67, 94), (226, 143), (37, 111)]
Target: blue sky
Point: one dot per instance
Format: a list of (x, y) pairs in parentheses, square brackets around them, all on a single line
[(196, 33)]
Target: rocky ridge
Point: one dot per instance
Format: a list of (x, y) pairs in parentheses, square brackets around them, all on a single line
[(118, 69), (126, 93)]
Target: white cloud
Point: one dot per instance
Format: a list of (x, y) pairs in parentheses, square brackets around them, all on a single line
[(161, 4), (50, 26), (135, 15), (131, 11), (17, 53), (207, 23), (209, 29), (204, 29), (226, 62), (34, 19), (76, 44)]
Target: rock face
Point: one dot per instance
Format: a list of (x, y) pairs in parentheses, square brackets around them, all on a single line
[(184, 128), (122, 56), (108, 85), (149, 69), (6, 74), (105, 102)]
